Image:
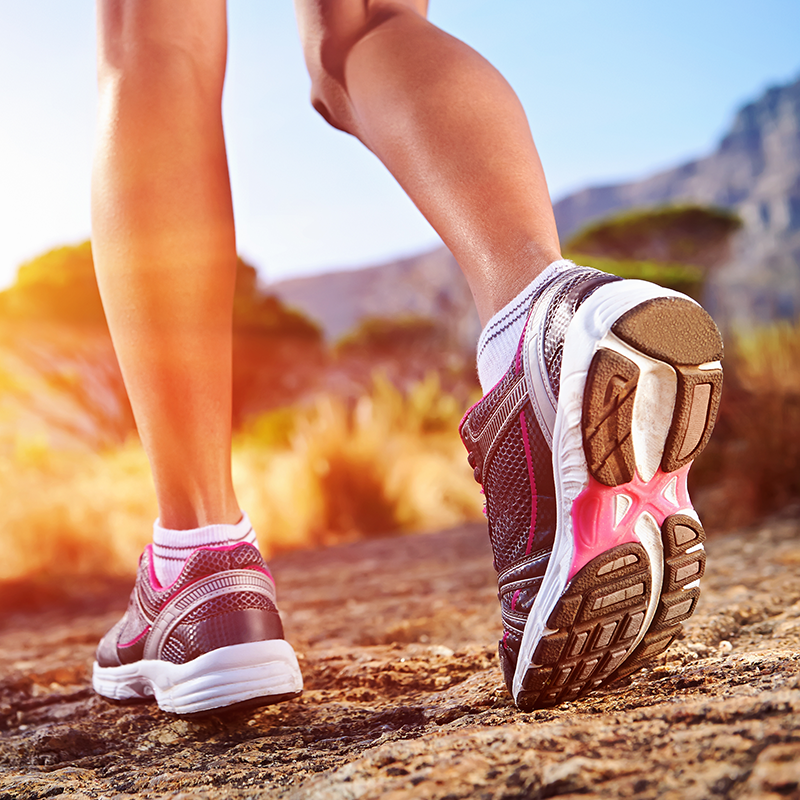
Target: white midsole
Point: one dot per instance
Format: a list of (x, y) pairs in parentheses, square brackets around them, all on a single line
[(216, 679), (590, 325)]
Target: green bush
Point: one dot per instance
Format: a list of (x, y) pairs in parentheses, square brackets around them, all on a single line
[(680, 277), (680, 234)]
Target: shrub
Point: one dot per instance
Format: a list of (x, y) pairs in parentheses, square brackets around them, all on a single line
[(387, 461), (682, 234), (751, 467)]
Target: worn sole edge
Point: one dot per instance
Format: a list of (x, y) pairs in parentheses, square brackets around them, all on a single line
[(592, 642), (228, 676), (591, 323), (597, 645)]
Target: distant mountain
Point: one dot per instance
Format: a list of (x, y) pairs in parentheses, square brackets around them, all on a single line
[(428, 286), (755, 171)]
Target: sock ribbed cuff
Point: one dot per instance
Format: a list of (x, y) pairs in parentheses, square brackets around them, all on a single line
[(499, 340), (172, 548)]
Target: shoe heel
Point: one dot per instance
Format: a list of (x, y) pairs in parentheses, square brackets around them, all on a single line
[(240, 675), (679, 345), (696, 408), (680, 333)]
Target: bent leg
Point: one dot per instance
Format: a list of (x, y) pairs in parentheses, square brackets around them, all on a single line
[(449, 128), (164, 245)]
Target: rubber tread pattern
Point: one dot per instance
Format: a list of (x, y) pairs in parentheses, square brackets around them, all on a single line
[(591, 639), (691, 381), (680, 333), (607, 417), (671, 329), (679, 534)]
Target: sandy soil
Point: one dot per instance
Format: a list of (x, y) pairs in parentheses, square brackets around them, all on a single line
[(404, 697)]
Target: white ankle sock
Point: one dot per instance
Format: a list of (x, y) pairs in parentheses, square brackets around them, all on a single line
[(500, 338), (172, 548)]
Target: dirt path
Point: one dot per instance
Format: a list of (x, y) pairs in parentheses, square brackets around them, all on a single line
[(404, 697)]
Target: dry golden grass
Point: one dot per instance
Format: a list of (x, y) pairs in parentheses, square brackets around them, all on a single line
[(339, 470), (768, 359), (388, 462), (74, 512), (328, 473), (751, 467)]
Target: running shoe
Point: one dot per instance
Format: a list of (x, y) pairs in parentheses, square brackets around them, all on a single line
[(211, 640), (583, 450)]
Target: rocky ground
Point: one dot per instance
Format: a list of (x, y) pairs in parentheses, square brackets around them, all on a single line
[(404, 697)]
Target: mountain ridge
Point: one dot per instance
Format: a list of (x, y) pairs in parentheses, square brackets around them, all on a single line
[(429, 285), (754, 171)]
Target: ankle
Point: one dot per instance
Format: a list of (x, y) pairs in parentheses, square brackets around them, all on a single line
[(172, 547), (499, 340), (184, 513)]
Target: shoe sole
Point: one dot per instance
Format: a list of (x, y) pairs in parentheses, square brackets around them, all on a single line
[(240, 675), (640, 389)]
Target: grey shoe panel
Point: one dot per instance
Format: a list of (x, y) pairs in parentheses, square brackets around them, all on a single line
[(191, 639), (222, 597)]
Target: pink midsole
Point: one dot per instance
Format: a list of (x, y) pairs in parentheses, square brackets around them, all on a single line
[(595, 527)]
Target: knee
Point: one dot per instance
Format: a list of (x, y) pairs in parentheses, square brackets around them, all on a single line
[(155, 48), (329, 30)]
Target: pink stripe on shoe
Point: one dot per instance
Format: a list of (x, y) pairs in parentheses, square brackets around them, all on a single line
[(518, 356), (526, 443), (138, 638)]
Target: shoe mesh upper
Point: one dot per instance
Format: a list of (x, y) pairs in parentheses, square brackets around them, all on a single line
[(481, 412), (571, 292), (204, 561), (503, 468), (237, 615), (508, 500), (133, 623), (507, 484), (238, 601)]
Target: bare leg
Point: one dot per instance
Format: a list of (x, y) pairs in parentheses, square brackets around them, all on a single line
[(164, 243), (166, 262), (453, 134), (448, 127)]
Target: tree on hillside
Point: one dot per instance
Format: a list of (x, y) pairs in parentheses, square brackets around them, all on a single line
[(382, 336), (255, 311), (673, 246), (54, 319), (687, 234), (405, 349), (58, 286), (278, 353)]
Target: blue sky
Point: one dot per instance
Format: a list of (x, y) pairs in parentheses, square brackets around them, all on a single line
[(613, 90)]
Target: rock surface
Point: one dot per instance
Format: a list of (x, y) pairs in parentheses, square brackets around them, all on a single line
[(404, 697)]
